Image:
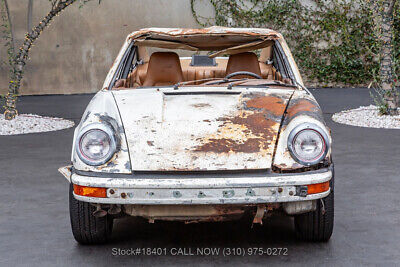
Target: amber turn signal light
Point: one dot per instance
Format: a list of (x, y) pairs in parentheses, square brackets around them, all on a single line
[(318, 188), (87, 191)]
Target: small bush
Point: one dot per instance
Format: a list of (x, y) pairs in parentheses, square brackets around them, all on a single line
[(332, 41)]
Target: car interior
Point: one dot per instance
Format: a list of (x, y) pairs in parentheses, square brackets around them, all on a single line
[(167, 68)]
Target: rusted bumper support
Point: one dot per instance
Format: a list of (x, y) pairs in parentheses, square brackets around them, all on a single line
[(205, 190)]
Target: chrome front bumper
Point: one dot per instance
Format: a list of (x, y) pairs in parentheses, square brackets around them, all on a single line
[(246, 189)]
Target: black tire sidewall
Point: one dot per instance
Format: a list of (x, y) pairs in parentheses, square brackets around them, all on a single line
[(86, 228)]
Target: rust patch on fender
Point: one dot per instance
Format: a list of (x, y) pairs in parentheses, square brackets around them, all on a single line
[(301, 106), (273, 104)]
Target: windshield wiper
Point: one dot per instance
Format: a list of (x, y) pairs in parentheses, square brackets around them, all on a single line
[(227, 81), (176, 86), (267, 84), (199, 80)]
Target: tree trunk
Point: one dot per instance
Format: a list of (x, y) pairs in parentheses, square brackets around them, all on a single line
[(391, 96), (22, 56)]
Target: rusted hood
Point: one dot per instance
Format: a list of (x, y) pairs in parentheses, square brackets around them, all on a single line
[(201, 128)]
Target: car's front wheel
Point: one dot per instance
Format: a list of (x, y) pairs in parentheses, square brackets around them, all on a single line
[(86, 228), (317, 225)]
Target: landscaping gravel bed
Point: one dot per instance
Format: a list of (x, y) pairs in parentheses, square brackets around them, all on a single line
[(29, 123), (367, 116)]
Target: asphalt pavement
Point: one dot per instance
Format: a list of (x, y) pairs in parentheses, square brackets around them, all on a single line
[(34, 217)]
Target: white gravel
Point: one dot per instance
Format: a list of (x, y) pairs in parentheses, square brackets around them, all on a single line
[(367, 117), (29, 123)]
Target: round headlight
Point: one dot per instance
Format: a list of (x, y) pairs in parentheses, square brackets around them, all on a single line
[(96, 144), (308, 144)]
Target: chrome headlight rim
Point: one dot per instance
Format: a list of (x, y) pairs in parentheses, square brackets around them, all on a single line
[(113, 143), (308, 126)]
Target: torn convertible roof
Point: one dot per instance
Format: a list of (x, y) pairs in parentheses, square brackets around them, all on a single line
[(212, 38)]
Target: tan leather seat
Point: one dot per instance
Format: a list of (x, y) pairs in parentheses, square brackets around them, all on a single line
[(138, 75), (246, 61), (164, 69), (191, 73)]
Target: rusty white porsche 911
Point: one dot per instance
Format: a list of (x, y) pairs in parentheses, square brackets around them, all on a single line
[(226, 129)]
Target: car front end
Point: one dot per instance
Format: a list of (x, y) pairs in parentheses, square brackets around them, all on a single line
[(292, 176), (249, 139)]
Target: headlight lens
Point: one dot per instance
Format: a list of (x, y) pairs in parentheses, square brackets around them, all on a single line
[(308, 144), (96, 145)]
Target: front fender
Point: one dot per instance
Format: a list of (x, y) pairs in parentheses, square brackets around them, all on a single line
[(302, 108), (103, 109)]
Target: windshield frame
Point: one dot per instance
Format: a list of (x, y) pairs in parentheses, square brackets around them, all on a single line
[(129, 61)]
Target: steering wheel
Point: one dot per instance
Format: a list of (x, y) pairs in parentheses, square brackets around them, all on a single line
[(252, 74)]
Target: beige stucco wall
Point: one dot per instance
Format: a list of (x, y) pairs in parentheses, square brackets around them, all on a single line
[(74, 54)]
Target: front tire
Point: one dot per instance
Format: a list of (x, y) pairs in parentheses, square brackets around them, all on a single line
[(86, 228), (317, 225)]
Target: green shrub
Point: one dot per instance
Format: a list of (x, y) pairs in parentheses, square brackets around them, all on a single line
[(333, 42)]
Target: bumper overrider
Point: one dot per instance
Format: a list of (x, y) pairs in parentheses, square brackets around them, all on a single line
[(243, 188)]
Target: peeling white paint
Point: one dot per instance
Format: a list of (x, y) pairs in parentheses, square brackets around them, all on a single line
[(101, 108), (166, 132)]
